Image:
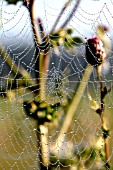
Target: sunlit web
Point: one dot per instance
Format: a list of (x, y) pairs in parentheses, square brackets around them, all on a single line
[(18, 141)]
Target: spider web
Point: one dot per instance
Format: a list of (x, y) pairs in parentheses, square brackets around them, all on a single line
[(18, 132)]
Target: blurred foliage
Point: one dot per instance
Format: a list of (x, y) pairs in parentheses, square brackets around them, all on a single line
[(13, 1), (66, 38), (41, 111)]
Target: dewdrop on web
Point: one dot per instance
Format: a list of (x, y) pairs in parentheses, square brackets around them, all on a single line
[(105, 67), (99, 143)]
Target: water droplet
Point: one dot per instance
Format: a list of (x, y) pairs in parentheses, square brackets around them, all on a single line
[(64, 134), (35, 129), (50, 136)]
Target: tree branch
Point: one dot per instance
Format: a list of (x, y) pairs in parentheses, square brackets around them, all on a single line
[(102, 108), (71, 14), (45, 57), (36, 42), (33, 23), (59, 16)]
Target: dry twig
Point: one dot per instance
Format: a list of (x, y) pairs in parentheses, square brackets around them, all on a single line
[(71, 14)]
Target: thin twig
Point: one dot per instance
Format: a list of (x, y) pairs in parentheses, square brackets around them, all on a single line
[(59, 16), (42, 130), (44, 58), (36, 41), (39, 67), (41, 62), (33, 23), (46, 42), (43, 149), (43, 35), (15, 69), (71, 14), (38, 73), (102, 108)]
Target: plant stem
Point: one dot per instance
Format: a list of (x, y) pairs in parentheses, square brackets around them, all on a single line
[(45, 40), (37, 75), (74, 104), (15, 69), (33, 23), (42, 77), (42, 136), (36, 41), (44, 60), (60, 15), (42, 130), (102, 108), (71, 14)]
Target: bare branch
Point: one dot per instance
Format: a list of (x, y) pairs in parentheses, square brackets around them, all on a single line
[(60, 15), (43, 149), (36, 41), (44, 58), (71, 14), (33, 23), (102, 109), (41, 84), (44, 41), (41, 28)]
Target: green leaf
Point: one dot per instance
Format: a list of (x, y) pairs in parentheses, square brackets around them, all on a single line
[(102, 155), (69, 31), (77, 40), (12, 1), (68, 43), (41, 114), (43, 105), (93, 103), (54, 37)]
